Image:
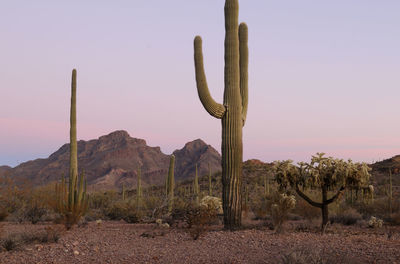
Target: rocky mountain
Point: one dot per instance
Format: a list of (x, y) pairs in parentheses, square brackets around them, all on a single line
[(196, 152), (113, 160), (384, 165), (4, 169)]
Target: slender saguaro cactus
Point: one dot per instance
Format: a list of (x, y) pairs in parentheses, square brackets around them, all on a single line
[(209, 181), (390, 192), (123, 192), (73, 154), (171, 183), (232, 112), (196, 188), (139, 187), (72, 204)]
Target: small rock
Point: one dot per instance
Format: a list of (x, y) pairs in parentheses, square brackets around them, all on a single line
[(39, 247), (75, 243), (76, 252)]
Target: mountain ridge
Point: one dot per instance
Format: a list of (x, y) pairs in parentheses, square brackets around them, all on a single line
[(113, 160)]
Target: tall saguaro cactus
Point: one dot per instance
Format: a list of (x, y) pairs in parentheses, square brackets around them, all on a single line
[(196, 186), (73, 154), (171, 183), (72, 204), (209, 181), (232, 112), (139, 187)]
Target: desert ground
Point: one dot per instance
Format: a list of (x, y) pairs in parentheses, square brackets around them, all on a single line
[(120, 242)]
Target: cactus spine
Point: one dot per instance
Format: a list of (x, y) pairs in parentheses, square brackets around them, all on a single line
[(209, 181), (232, 112), (196, 188), (171, 183)]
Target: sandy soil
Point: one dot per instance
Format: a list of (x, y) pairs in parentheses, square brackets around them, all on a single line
[(119, 242)]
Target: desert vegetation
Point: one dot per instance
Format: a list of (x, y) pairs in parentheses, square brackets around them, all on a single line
[(326, 211)]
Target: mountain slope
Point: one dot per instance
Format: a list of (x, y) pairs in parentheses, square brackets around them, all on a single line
[(112, 160)]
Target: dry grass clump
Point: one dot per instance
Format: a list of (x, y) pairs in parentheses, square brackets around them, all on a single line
[(50, 234), (124, 210), (348, 217), (259, 206), (306, 211), (310, 255)]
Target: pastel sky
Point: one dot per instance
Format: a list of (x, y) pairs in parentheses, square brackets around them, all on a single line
[(324, 75)]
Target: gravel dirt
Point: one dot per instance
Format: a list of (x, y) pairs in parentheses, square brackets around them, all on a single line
[(119, 242)]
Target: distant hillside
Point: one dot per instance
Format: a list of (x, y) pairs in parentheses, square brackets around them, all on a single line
[(113, 159), (196, 152), (384, 165)]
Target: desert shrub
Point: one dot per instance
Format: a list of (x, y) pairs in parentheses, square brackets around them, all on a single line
[(50, 234), (3, 214), (348, 217), (379, 208), (259, 207), (101, 200), (34, 213), (10, 243), (53, 233), (12, 197), (306, 210), (123, 210), (94, 214), (309, 255), (395, 219), (156, 206), (313, 225), (280, 206), (198, 219), (375, 222)]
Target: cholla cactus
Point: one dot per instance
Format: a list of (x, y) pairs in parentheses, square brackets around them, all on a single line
[(323, 174), (281, 204), (375, 222), (211, 202)]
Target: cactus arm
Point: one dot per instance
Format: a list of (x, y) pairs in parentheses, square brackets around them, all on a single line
[(329, 201), (244, 66), (308, 200), (212, 107)]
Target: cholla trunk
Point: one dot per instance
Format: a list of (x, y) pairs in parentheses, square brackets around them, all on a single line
[(324, 207)]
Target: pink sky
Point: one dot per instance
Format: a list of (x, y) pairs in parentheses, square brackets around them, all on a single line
[(324, 77)]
